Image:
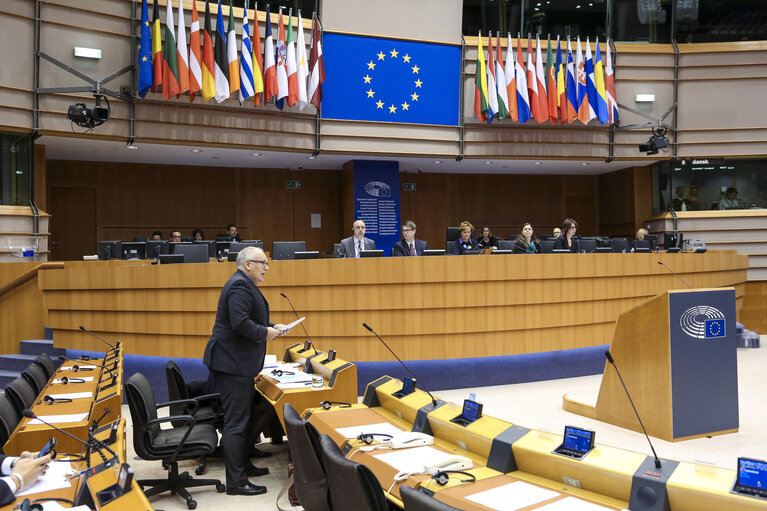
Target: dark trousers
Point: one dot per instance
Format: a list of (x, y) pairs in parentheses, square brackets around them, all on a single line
[(237, 395)]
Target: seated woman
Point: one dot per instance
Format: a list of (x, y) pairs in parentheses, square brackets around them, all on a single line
[(527, 241), (198, 235), (464, 243), (487, 240), (641, 233), (19, 473), (569, 228)]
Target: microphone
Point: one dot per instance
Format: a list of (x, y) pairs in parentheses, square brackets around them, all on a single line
[(610, 359), (92, 442), (433, 401), (675, 275), (112, 347), (302, 323), (112, 375)]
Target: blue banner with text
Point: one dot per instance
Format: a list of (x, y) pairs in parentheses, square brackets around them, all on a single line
[(376, 201)]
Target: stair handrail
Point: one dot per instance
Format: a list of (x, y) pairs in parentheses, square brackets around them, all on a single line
[(29, 275)]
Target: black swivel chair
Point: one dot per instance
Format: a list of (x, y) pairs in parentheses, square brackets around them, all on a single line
[(309, 477), (189, 441), (353, 487), (416, 500), (9, 419), (21, 394), (641, 246), (48, 365), (35, 376)]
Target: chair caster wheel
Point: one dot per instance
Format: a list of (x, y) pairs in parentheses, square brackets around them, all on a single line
[(199, 471), (220, 488), (191, 504)]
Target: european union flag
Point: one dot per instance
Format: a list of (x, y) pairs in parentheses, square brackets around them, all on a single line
[(374, 79), (714, 328), (145, 76)]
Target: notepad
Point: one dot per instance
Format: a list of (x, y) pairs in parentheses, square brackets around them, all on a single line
[(76, 378), (55, 478), (60, 419), (415, 458), (73, 395), (572, 504), (383, 428), (512, 496)]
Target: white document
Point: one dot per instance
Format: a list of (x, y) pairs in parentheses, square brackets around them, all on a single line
[(55, 478), (52, 505), (297, 385), (270, 361), (76, 378), (572, 504), (72, 368), (380, 427), (73, 395), (296, 322), (415, 459), (513, 496), (60, 419)]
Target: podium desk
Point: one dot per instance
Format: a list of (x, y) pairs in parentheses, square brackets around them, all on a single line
[(693, 487)]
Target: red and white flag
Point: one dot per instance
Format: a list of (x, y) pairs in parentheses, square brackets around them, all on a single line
[(316, 66), (195, 58)]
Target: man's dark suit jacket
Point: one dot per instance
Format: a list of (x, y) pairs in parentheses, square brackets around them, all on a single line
[(401, 248), (6, 497), (238, 342), (346, 248)]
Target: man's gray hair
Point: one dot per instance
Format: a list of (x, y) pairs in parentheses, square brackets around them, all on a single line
[(245, 254)]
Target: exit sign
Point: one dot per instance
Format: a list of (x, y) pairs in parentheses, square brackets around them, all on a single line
[(408, 187), (292, 185)]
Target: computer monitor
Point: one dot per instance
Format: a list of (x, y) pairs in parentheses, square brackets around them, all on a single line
[(640, 246), (751, 478), (110, 250), (502, 251), (653, 239), (282, 250), (236, 246), (193, 253), (211, 247), (371, 253), (174, 244), (133, 250), (585, 245), (222, 248), (673, 240), (308, 254), (171, 258), (153, 249), (187, 239), (232, 256), (434, 252)]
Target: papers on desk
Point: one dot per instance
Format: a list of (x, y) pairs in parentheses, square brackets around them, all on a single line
[(73, 395), (76, 378), (291, 377), (510, 497), (572, 504), (60, 419), (383, 428), (270, 361), (415, 459), (55, 478), (81, 367), (52, 505)]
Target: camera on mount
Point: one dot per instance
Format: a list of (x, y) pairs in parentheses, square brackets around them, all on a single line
[(656, 142), (89, 118)]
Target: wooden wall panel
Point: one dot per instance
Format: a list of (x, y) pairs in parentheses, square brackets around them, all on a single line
[(21, 310)]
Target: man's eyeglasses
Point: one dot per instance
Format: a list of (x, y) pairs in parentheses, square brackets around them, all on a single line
[(265, 263), (408, 230)]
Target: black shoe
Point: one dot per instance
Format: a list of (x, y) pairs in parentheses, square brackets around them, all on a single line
[(255, 452), (253, 471), (246, 489)]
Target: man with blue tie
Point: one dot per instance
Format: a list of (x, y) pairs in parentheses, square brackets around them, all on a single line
[(408, 245), (352, 246)]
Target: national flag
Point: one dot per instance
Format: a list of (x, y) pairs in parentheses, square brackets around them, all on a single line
[(492, 94), (511, 79), (316, 66), (591, 86), (561, 92), (480, 83), (181, 49), (583, 95), (612, 98), (551, 89), (208, 60), (281, 64), (195, 59), (246, 60), (231, 54), (572, 93), (541, 78), (270, 71), (221, 67), (523, 101), (500, 81), (290, 64), (145, 75), (169, 57), (258, 61), (301, 64), (532, 84), (156, 48), (599, 79)]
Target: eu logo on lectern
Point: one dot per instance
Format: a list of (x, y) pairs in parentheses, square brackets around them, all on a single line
[(715, 328)]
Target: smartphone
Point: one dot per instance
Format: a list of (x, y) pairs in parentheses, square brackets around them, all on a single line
[(47, 448)]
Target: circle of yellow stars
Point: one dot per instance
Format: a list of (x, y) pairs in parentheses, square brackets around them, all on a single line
[(368, 80)]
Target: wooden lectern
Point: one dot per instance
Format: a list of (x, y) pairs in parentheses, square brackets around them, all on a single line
[(677, 355)]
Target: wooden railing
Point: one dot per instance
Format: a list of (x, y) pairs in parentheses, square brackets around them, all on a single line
[(29, 275)]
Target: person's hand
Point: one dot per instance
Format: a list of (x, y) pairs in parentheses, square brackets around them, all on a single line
[(282, 328), (271, 333), (27, 454), (30, 469)]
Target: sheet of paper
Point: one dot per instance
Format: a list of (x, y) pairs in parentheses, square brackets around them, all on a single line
[(71, 368), (60, 419), (510, 497), (73, 395), (414, 459), (572, 504), (270, 361), (379, 427), (55, 478), (296, 322), (52, 505), (296, 385), (75, 378)]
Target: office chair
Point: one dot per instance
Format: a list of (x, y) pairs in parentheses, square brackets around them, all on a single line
[(48, 365), (9, 419), (20, 394), (451, 234), (416, 500), (35, 376), (309, 477), (189, 441), (353, 487), (619, 245), (207, 412)]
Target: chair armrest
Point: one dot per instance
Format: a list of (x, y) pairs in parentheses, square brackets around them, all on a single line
[(207, 397), (188, 402), (188, 419)]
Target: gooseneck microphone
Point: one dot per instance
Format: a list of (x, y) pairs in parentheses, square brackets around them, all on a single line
[(674, 273), (433, 401), (301, 323), (112, 347), (610, 359)]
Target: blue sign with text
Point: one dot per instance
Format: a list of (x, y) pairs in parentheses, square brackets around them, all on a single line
[(376, 201)]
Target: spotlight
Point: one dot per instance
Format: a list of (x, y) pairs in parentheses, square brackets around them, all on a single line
[(89, 118), (656, 142)]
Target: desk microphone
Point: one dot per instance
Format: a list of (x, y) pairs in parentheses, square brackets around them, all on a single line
[(302, 323), (112, 347), (675, 275), (433, 401), (610, 359)]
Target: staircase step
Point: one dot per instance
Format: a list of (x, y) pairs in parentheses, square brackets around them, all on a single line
[(16, 362), (7, 377), (38, 346)]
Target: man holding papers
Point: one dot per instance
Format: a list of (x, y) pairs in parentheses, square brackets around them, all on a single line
[(19, 473), (235, 355)]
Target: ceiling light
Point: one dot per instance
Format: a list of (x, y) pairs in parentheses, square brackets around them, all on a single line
[(312, 157), (196, 150), (645, 98), (585, 164), (131, 146), (88, 53), (256, 154), (537, 163), (436, 162), (488, 163)]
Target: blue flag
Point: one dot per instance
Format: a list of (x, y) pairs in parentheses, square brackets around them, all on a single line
[(145, 76), (714, 328), (373, 79)]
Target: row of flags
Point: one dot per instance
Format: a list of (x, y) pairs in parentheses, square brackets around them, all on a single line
[(575, 89), (215, 70)]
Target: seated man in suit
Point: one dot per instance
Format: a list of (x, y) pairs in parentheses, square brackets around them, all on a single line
[(353, 245), (19, 473), (408, 245)]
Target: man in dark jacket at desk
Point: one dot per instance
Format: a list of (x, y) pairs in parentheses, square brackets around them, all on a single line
[(19, 473), (235, 355)]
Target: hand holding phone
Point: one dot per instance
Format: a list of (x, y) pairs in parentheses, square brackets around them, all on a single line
[(47, 448)]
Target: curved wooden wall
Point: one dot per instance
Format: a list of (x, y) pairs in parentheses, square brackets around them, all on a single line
[(425, 308)]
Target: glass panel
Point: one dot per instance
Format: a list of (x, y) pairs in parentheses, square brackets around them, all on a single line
[(15, 168), (566, 17), (488, 15), (646, 21), (707, 183), (720, 20)]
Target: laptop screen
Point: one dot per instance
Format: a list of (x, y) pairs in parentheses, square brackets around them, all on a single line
[(752, 473), (578, 439)]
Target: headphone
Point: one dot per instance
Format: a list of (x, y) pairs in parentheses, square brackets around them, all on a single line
[(76, 368), (368, 437), (341, 404), (85, 357), (66, 380), (443, 476), (49, 400), (280, 372), (27, 505)]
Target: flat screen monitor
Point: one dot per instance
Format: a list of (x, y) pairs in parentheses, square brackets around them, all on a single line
[(653, 239), (193, 253), (751, 477), (371, 253), (472, 252), (187, 239), (577, 439), (604, 250), (235, 246), (133, 250), (174, 244), (171, 258), (282, 250), (232, 257), (154, 249), (211, 247), (673, 240), (110, 250), (222, 249), (640, 246), (432, 252), (560, 251), (506, 244), (308, 254)]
